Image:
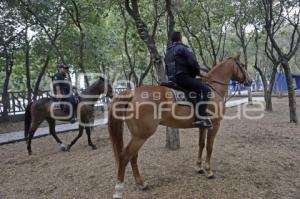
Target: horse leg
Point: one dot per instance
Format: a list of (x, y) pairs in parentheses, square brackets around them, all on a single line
[(88, 133), (34, 126), (127, 154), (76, 138), (202, 136), (211, 134), (51, 123), (136, 173)]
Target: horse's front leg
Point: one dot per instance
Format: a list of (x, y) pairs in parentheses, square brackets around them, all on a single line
[(211, 134), (202, 136), (88, 133), (76, 138), (51, 123)]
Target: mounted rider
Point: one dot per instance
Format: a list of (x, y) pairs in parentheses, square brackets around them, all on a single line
[(63, 89), (182, 68)]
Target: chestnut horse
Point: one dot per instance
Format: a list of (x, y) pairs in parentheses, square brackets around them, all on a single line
[(139, 108), (43, 109)]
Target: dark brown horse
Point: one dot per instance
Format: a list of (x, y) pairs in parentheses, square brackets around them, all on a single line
[(43, 109), (144, 108)]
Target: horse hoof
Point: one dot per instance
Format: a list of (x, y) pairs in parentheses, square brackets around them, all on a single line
[(144, 186), (117, 196), (93, 147), (210, 176), (200, 170), (64, 147), (29, 152), (68, 148), (119, 189)]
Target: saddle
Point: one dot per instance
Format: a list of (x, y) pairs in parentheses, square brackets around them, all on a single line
[(63, 107), (182, 96)]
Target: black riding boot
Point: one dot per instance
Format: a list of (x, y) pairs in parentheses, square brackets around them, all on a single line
[(203, 121)]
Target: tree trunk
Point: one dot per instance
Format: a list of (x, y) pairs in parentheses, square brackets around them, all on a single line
[(246, 65), (249, 95), (133, 11), (131, 63), (81, 55), (40, 76), (27, 65), (172, 138), (264, 81), (43, 26), (172, 134), (170, 20), (291, 92), (269, 106), (146, 38), (5, 96)]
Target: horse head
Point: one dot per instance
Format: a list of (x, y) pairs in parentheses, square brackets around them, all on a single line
[(240, 73), (107, 88)]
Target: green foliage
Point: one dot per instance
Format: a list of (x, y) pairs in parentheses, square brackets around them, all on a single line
[(211, 21)]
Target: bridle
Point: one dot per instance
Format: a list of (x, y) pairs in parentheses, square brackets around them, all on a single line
[(226, 84), (242, 69)]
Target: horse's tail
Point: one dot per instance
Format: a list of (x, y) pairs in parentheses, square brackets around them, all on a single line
[(115, 122), (27, 120)]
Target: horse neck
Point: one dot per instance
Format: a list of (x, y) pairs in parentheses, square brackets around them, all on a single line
[(220, 77), (94, 89)]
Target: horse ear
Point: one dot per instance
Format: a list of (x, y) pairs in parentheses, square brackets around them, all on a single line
[(237, 57), (101, 78)]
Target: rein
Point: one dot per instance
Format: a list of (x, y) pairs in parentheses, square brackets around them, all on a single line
[(225, 84), (235, 90)]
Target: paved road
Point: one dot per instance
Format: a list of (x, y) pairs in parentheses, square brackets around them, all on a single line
[(17, 136)]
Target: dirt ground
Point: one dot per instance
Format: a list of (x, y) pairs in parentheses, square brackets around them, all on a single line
[(251, 159)]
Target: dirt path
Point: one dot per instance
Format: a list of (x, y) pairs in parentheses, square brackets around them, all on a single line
[(252, 159)]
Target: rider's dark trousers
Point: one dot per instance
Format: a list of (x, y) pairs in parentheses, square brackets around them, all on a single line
[(72, 101), (191, 84)]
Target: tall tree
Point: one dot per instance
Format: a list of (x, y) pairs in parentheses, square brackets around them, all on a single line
[(138, 79), (207, 27), (77, 16), (277, 14), (132, 7), (10, 39), (243, 19), (49, 9), (268, 80)]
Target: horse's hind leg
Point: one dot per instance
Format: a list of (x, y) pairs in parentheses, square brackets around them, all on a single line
[(128, 153), (136, 173), (34, 125), (202, 136), (88, 133), (211, 134), (76, 138)]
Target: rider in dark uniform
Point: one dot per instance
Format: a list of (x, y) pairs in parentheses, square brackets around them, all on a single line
[(62, 87), (182, 68)]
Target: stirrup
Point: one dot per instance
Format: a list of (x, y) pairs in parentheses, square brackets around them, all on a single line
[(73, 120), (203, 123)]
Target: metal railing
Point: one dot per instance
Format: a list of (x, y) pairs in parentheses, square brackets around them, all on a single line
[(18, 101)]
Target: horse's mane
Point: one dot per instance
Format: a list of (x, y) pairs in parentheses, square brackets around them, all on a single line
[(222, 62), (215, 67), (219, 64), (91, 87)]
